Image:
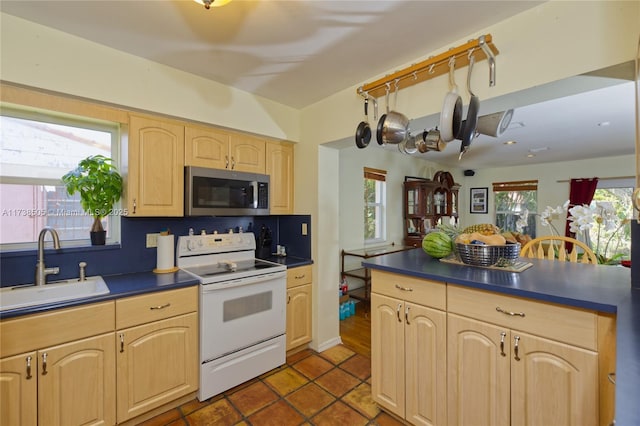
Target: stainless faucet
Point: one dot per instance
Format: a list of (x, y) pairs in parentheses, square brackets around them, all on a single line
[(41, 270)]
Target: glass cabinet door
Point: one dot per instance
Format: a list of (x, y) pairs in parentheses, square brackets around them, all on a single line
[(412, 201)]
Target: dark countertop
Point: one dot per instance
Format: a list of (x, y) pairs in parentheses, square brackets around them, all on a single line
[(124, 285), (596, 287)]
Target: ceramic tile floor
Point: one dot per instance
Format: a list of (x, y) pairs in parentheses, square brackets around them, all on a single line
[(328, 388)]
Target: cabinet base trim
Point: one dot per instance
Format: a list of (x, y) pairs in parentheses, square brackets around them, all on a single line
[(159, 410)]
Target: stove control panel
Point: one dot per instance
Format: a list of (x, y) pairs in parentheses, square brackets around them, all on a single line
[(215, 243)]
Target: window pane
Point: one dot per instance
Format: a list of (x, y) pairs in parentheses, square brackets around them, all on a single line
[(37, 149), (512, 206), (613, 235)]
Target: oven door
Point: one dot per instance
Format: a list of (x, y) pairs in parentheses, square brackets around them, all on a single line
[(239, 315)]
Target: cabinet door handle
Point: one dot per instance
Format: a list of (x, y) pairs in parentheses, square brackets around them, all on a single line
[(612, 377), (233, 163), (166, 305), (513, 314), (29, 368), (226, 161), (502, 336), (288, 298), (121, 342), (398, 312), (516, 340), (403, 288), (135, 205), (406, 314), (44, 364)]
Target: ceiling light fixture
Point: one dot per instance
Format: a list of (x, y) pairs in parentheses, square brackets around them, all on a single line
[(212, 3), (510, 142)]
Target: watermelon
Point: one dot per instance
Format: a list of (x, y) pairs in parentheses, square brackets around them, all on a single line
[(437, 244)]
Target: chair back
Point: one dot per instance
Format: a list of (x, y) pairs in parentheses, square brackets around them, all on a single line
[(554, 248)]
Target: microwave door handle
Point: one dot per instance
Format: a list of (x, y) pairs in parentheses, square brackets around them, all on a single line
[(254, 202)]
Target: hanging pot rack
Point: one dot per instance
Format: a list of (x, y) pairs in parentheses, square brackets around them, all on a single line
[(482, 48)]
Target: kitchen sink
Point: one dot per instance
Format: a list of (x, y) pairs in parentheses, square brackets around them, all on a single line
[(56, 291)]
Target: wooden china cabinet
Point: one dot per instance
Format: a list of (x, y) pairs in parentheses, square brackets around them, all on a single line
[(426, 201)]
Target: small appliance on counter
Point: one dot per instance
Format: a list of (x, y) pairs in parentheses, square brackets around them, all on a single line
[(263, 243)]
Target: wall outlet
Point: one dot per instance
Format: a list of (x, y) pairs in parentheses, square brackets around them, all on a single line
[(152, 240), (304, 229)]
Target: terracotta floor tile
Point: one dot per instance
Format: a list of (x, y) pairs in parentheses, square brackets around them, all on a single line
[(358, 365), (310, 399), (360, 399), (286, 381), (278, 414), (385, 419), (337, 354), (253, 398), (179, 422), (338, 414), (194, 405), (313, 366), (164, 418), (219, 413), (337, 381), (293, 358)]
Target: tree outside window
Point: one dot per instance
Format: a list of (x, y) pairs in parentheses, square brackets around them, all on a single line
[(374, 205)]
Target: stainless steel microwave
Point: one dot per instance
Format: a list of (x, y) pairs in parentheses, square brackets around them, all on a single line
[(214, 192)]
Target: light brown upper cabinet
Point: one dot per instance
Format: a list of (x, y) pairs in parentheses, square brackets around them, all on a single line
[(155, 175), (218, 149), (280, 170)]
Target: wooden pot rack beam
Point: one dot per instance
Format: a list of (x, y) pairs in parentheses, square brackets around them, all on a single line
[(428, 69)]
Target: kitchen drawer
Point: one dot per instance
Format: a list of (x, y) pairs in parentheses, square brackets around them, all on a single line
[(417, 290), (155, 306), (37, 331), (298, 276), (564, 324)]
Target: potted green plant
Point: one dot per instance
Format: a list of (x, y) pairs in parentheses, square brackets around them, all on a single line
[(100, 187)]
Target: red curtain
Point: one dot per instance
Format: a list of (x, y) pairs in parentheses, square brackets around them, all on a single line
[(581, 192)]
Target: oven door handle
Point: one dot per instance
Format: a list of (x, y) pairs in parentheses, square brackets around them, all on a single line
[(211, 287)]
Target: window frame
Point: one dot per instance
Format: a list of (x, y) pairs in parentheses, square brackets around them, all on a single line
[(380, 205), (44, 115)]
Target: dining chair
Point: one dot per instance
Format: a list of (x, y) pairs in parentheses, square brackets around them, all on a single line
[(554, 248)]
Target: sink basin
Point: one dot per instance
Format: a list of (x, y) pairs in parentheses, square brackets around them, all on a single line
[(56, 291)]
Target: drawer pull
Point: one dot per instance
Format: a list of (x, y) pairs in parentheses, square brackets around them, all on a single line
[(513, 314), (612, 377), (398, 312), (515, 348), (403, 288), (44, 364), (299, 277), (502, 336), (29, 368), (406, 314), (166, 305), (121, 342)]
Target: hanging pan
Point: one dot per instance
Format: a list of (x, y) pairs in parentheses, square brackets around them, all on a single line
[(393, 127), (472, 113), (363, 132), (451, 115), (383, 117)]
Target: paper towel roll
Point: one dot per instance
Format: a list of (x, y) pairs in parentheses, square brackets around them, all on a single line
[(165, 252)]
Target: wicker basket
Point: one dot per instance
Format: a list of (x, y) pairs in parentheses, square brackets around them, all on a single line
[(483, 255)]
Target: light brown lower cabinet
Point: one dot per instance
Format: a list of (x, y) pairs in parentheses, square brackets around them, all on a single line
[(507, 360), (299, 298)]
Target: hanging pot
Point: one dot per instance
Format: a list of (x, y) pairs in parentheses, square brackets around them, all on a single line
[(383, 117), (469, 131), (451, 115), (393, 128), (363, 132), (408, 146), (430, 141)]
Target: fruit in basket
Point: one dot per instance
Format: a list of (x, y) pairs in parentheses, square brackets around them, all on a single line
[(482, 228), (437, 244), (490, 240)]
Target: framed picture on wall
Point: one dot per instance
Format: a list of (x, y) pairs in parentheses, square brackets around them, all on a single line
[(479, 200)]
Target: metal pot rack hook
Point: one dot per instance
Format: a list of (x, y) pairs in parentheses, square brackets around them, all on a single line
[(492, 60)]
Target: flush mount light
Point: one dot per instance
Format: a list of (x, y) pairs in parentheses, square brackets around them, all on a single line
[(212, 3), (530, 155), (604, 123), (510, 142)]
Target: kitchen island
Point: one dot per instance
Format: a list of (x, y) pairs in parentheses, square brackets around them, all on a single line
[(599, 288)]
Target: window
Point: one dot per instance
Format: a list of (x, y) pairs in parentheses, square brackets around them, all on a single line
[(37, 148), (516, 205), (375, 200), (613, 240)]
